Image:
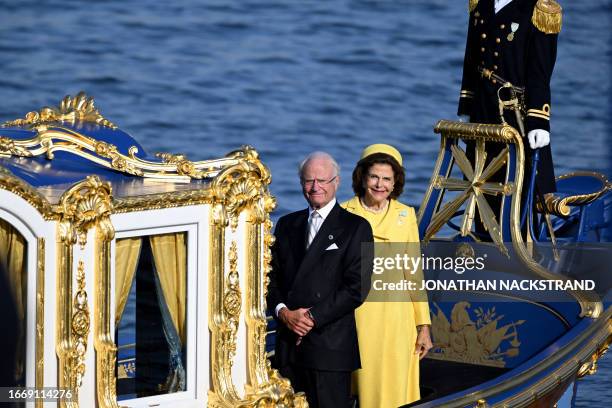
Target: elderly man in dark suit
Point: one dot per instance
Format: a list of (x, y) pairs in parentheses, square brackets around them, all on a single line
[(319, 277)]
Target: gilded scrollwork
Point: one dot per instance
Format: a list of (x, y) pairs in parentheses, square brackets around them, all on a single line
[(8, 148), (80, 108), (50, 139), (80, 326), (241, 188), (83, 206), (232, 302), (86, 205)]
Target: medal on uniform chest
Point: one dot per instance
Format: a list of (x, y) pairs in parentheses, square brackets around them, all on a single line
[(513, 27)]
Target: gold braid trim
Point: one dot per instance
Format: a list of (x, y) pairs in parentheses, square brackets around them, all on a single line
[(472, 5), (547, 16)]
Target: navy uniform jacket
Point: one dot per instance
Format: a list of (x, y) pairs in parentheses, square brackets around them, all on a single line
[(332, 282), (509, 44)]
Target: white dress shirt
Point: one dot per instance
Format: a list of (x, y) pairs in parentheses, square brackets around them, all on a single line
[(500, 4)]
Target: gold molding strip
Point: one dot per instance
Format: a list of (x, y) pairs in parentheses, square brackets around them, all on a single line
[(13, 184), (64, 342), (222, 389), (600, 333), (40, 318), (163, 200), (80, 108), (106, 349)]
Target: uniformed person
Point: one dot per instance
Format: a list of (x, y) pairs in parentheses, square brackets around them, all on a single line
[(517, 40)]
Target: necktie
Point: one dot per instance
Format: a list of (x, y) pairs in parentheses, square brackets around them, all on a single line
[(313, 226)]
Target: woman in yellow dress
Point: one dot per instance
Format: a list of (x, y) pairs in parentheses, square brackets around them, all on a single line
[(393, 335)]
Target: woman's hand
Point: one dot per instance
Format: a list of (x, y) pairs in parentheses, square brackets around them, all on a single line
[(423, 341)]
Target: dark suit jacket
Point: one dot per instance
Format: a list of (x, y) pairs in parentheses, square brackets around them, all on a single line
[(333, 283)]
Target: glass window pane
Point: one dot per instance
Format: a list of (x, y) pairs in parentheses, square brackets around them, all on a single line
[(151, 298)]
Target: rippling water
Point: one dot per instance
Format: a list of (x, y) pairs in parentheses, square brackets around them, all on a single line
[(289, 77)]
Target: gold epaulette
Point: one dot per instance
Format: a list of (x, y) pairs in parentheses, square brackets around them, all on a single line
[(472, 5), (547, 16)]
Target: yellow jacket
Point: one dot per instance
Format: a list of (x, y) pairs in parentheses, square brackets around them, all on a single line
[(398, 225)]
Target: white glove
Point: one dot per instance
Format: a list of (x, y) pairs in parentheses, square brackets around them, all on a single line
[(464, 118), (538, 138)]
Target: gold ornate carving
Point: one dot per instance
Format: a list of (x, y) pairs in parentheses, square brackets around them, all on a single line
[(590, 367), (222, 391), (83, 206), (80, 326), (40, 318), (547, 16), (8, 148), (477, 342), (232, 301), (243, 188), (80, 108), (50, 139)]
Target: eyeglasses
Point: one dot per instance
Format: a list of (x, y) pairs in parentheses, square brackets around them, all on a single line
[(310, 182), (373, 178)]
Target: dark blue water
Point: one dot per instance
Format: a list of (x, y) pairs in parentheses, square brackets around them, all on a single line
[(289, 77)]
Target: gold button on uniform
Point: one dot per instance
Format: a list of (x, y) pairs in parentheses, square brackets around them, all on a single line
[(494, 66), (482, 49), (481, 21), (497, 40), (496, 54), (502, 26), (484, 35)]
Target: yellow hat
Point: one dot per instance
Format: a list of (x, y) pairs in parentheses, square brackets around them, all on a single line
[(382, 148)]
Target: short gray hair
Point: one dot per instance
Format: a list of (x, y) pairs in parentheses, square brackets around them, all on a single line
[(318, 155)]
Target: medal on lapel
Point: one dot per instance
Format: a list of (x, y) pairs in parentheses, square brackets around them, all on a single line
[(400, 219), (513, 27)]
